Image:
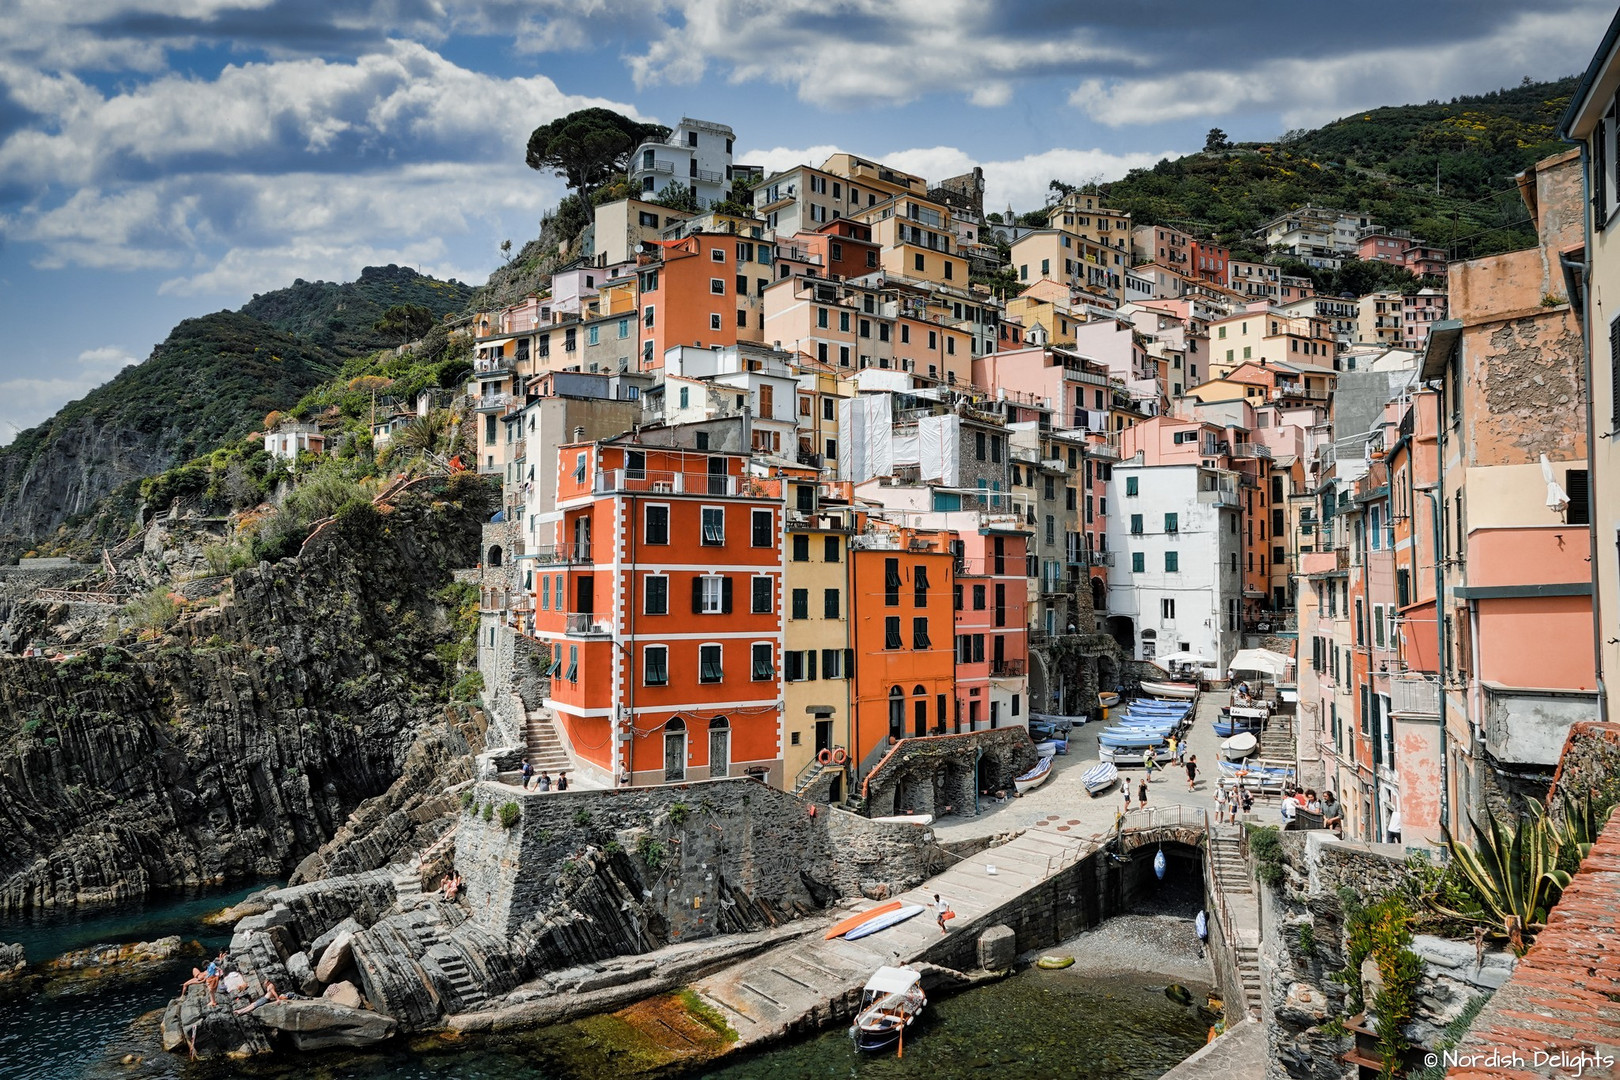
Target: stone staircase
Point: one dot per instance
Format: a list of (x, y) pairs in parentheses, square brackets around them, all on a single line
[(1277, 740), (810, 776), (1235, 884), (542, 745), (467, 989), (408, 877)]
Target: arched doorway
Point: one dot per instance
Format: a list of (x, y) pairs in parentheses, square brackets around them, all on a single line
[(919, 711), (1099, 595), (494, 559), (674, 751), (897, 713), (1150, 644), (719, 747), (1123, 631)]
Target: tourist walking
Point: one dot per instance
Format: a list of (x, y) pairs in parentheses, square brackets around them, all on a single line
[(1248, 803), (1220, 804), (543, 782), (1147, 763), (942, 911), (528, 774), (1141, 792), (1174, 747), (1126, 787), (1191, 766), (562, 781)]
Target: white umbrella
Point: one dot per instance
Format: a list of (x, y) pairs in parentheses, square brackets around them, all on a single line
[(1556, 499), (1271, 663)]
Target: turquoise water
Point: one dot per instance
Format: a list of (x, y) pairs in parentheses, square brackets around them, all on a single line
[(1034, 1024), (60, 1038)]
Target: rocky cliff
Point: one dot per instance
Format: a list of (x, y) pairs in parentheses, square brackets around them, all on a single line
[(245, 736)]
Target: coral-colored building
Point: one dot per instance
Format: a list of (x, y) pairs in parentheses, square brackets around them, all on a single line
[(703, 290), (903, 625), (662, 605)]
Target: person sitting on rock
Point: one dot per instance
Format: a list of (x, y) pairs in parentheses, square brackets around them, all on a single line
[(208, 977), (265, 998)]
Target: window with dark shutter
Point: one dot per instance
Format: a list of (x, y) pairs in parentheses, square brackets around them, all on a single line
[(919, 586), (761, 596), (829, 603), (919, 634), (801, 603), (1614, 374), (891, 632), (725, 596), (1577, 487), (891, 582), (763, 533), (810, 664)]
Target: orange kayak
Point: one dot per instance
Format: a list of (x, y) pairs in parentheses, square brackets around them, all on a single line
[(844, 926)]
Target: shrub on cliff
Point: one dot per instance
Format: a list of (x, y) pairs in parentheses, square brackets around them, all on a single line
[(509, 814)]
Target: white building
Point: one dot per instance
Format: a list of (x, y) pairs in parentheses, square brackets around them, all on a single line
[(697, 154), (1174, 531), (290, 438)]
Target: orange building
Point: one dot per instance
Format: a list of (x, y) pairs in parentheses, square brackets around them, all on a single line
[(662, 605), (903, 627), (703, 290)]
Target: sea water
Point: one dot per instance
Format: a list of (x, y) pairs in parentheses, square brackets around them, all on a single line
[(1070, 1023)]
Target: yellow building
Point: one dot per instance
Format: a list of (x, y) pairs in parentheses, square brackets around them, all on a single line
[(817, 656), (1035, 307), (1070, 259), (916, 240), (1270, 336)]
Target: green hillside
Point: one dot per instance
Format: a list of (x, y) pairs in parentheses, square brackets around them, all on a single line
[(338, 317), (1382, 162)]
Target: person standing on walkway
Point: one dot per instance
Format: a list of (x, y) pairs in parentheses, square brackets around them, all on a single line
[(1141, 792), (942, 911), (528, 773), (1126, 787), (1192, 771), (1147, 764), (1174, 748)]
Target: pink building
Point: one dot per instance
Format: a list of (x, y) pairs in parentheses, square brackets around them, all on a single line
[(992, 640)]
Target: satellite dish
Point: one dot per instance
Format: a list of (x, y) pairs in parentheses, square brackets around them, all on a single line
[(1556, 499)]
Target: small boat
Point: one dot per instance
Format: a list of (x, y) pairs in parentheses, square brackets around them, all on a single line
[(907, 819), (1227, 726), (1051, 747), (1107, 700), (844, 926), (884, 921), (1035, 777), (1132, 755), (1100, 777), (890, 1003), (1240, 747), (1171, 689)]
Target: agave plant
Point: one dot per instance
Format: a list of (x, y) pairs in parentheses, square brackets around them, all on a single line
[(1583, 820), (1512, 870)]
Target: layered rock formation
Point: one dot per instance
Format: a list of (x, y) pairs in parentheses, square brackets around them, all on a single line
[(243, 739)]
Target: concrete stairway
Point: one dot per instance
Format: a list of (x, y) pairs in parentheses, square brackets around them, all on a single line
[(408, 877), (1277, 740), (1236, 885), (1231, 869), (542, 745), (811, 775), (455, 969)]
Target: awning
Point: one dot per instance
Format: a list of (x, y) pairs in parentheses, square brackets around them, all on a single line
[(1187, 659), (1262, 660), (892, 980)]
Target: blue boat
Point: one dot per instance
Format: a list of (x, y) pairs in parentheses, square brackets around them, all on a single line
[(1131, 742), (1227, 726)]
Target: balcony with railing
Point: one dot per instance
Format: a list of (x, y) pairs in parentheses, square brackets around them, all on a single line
[(561, 554), (494, 365), (493, 402), (1413, 693), (658, 166), (709, 177), (1007, 669), (1250, 450), (649, 481), (587, 624)]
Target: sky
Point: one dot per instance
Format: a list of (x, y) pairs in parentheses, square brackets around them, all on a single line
[(161, 159)]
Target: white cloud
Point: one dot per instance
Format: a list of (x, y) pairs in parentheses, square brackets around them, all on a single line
[(1309, 92), (1020, 181), (407, 103), (26, 398)]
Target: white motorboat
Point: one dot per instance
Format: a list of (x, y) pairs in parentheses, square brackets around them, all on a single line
[(1170, 689), (890, 1003), (1239, 746)]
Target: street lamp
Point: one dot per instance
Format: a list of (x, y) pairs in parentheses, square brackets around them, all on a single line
[(1432, 490)]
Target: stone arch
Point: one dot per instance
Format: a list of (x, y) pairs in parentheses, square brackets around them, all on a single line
[(494, 559), (1099, 595), (1123, 630)]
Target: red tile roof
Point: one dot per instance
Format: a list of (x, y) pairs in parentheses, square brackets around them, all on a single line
[(1564, 997)]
